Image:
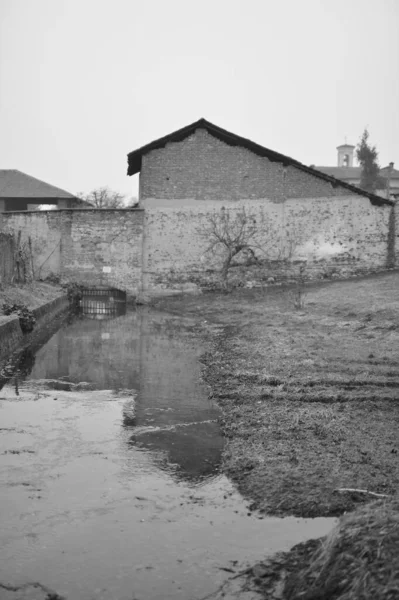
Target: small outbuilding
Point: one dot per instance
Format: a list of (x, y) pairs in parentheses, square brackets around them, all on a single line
[(19, 191)]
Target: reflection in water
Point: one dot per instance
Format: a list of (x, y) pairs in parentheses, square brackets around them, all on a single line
[(193, 451), (147, 358), (17, 369)]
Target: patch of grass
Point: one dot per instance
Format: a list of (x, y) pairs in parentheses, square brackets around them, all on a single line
[(309, 398)]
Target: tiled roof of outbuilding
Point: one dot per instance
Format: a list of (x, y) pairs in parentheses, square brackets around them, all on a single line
[(343, 173), (15, 184), (134, 157)]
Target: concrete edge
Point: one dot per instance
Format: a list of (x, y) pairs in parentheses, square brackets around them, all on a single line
[(11, 336)]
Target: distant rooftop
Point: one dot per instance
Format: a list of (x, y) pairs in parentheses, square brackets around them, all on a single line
[(341, 172), (15, 184)]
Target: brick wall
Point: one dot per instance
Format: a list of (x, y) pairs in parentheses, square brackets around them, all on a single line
[(342, 235), (94, 247), (203, 167)]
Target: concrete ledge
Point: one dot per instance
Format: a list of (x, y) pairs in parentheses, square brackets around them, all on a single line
[(11, 336)]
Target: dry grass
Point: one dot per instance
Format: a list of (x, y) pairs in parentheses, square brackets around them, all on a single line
[(32, 294), (357, 560), (310, 397)]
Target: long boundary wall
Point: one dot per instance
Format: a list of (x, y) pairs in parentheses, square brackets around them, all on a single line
[(163, 248), (338, 236)]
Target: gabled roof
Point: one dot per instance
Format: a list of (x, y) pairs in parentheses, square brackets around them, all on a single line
[(341, 172), (134, 157), (354, 172), (15, 184), (385, 170)]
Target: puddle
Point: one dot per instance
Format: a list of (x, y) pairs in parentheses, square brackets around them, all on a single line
[(109, 468)]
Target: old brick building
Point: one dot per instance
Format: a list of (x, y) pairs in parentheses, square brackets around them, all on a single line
[(203, 162), (195, 171), (346, 171), (304, 220), (19, 191)]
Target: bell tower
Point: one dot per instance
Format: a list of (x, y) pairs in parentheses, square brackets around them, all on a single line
[(345, 155)]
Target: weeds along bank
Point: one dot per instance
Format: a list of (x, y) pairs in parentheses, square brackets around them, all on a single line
[(24, 308)]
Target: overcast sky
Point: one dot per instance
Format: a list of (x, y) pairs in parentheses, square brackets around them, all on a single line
[(83, 82)]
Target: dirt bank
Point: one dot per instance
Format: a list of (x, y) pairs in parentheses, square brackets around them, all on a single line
[(310, 396), (42, 299), (357, 559), (32, 294)]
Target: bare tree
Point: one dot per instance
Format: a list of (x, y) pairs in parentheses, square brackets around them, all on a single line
[(103, 197), (230, 233)]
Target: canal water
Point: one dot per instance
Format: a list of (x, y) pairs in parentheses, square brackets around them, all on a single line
[(110, 458)]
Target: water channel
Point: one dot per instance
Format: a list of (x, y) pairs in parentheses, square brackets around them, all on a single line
[(110, 457)]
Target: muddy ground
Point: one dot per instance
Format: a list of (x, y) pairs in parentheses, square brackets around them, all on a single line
[(309, 397)]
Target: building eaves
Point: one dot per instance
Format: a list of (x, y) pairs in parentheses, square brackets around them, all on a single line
[(135, 157)]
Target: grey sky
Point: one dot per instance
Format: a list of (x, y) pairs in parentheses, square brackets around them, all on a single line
[(83, 82)]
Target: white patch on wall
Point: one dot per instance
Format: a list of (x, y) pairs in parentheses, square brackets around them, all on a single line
[(321, 248), (106, 269)]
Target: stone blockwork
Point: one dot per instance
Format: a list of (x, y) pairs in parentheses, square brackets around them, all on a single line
[(202, 167), (103, 247), (340, 235), (92, 247), (163, 248)]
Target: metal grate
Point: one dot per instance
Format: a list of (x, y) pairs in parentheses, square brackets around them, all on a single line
[(111, 292), (102, 303)]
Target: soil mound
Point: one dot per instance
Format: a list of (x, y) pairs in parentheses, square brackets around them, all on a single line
[(358, 560)]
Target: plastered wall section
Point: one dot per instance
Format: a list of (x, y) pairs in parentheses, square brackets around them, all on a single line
[(202, 167), (343, 235), (44, 230)]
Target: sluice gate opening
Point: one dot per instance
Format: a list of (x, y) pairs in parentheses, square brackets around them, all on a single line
[(102, 303)]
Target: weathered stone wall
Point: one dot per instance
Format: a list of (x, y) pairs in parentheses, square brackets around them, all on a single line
[(103, 247), (164, 247), (340, 235), (7, 258), (44, 230), (394, 235), (203, 167), (93, 247)]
